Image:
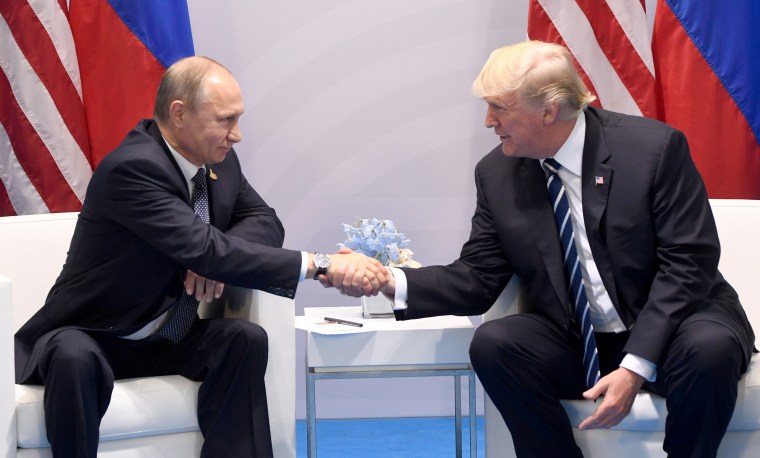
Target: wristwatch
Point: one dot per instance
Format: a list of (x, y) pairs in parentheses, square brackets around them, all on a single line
[(322, 263)]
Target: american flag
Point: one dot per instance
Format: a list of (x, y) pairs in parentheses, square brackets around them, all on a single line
[(64, 69), (44, 145), (610, 43), (698, 73)]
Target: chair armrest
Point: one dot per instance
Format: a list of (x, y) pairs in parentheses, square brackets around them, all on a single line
[(277, 316), (7, 371), (508, 302)]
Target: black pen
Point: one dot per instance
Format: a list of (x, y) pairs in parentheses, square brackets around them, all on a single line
[(346, 322)]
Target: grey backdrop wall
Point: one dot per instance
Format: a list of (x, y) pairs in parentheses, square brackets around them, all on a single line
[(362, 109), (359, 108)]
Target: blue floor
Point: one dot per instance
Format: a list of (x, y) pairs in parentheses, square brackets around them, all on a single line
[(389, 438)]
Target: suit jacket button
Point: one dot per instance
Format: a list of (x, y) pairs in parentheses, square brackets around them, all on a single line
[(291, 293)]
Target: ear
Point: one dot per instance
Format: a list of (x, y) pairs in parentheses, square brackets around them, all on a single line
[(551, 113), (177, 111)]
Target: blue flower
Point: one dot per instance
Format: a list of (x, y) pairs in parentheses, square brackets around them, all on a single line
[(378, 239)]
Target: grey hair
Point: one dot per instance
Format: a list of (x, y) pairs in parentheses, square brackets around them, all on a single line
[(183, 81)]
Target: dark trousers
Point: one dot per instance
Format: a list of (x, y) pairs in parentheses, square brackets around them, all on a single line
[(229, 356), (526, 365)]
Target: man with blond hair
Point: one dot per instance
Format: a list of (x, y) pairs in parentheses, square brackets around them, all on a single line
[(604, 219)]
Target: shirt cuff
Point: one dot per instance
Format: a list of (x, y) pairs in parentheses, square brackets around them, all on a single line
[(641, 366), (399, 299), (304, 266)]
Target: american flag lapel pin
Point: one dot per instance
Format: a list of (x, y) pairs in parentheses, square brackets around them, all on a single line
[(599, 180)]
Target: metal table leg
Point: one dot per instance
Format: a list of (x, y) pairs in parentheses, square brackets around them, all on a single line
[(458, 414), (473, 418), (311, 416)]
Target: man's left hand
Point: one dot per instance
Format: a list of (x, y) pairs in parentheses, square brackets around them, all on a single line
[(202, 287), (619, 389)]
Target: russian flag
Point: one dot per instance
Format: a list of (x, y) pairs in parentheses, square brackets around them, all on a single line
[(123, 48), (707, 63)]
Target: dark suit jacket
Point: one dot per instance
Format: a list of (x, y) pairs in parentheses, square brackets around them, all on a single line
[(650, 227), (137, 235)]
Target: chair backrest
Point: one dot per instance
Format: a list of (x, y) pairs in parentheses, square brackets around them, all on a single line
[(738, 222), (32, 253)]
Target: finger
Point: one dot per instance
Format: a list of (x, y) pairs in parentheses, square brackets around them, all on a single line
[(607, 415), (324, 281), (593, 393), (345, 250), (200, 287), (350, 270), (592, 421), (190, 282), (337, 276), (210, 290), (588, 423), (357, 283), (371, 285), (348, 279), (218, 290)]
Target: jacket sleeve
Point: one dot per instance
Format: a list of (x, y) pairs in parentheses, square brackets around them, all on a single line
[(469, 285), (141, 198), (686, 246)]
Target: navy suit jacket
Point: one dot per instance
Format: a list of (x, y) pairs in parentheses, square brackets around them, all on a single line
[(137, 235), (649, 224)]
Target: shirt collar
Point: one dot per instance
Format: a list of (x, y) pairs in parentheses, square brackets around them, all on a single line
[(187, 168), (570, 154)]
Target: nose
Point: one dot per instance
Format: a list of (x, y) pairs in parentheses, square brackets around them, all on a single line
[(234, 135), (490, 118)]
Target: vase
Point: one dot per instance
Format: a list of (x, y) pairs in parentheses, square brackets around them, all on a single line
[(379, 306)]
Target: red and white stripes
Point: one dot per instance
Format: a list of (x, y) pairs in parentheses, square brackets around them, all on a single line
[(610, 42), (44, 145)]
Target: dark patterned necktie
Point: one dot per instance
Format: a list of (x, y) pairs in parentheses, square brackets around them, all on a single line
[(573, 270), (186, 309)]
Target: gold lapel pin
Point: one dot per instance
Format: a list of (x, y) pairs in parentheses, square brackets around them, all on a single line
[(212, 175)]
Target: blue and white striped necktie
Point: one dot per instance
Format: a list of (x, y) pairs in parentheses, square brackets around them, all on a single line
[(573, 270)]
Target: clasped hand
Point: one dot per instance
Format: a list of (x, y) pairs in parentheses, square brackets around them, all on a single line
[(355, 274), (202, 287)]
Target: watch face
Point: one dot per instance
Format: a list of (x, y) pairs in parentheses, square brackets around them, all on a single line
[(321, 261)]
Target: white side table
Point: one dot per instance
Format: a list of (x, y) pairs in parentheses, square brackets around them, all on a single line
[(428, 347)]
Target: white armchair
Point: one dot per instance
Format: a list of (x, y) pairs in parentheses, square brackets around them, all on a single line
[(32, 252), (642, 432)]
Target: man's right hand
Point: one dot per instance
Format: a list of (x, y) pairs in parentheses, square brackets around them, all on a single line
[(355, 274)]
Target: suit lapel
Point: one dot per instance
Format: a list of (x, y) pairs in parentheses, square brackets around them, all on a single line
[(596, 181), (535, 199), (177, 177)]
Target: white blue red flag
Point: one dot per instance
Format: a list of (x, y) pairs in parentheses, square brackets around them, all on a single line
[(610, 43), (124, 46), (700, 74), (707, 56), (74, 80)]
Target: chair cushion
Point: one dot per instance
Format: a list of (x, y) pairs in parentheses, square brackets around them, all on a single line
[(139, 407), (649, 410)]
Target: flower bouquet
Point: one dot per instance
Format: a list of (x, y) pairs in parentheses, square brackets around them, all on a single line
[(381, 240)]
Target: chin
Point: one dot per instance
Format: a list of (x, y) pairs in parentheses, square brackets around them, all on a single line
[(509, 152)]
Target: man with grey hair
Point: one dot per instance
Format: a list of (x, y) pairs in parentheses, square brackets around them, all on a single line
[(168, 219), (604, 219)]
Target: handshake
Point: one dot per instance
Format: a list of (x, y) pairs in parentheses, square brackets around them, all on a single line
[(354, 274)]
